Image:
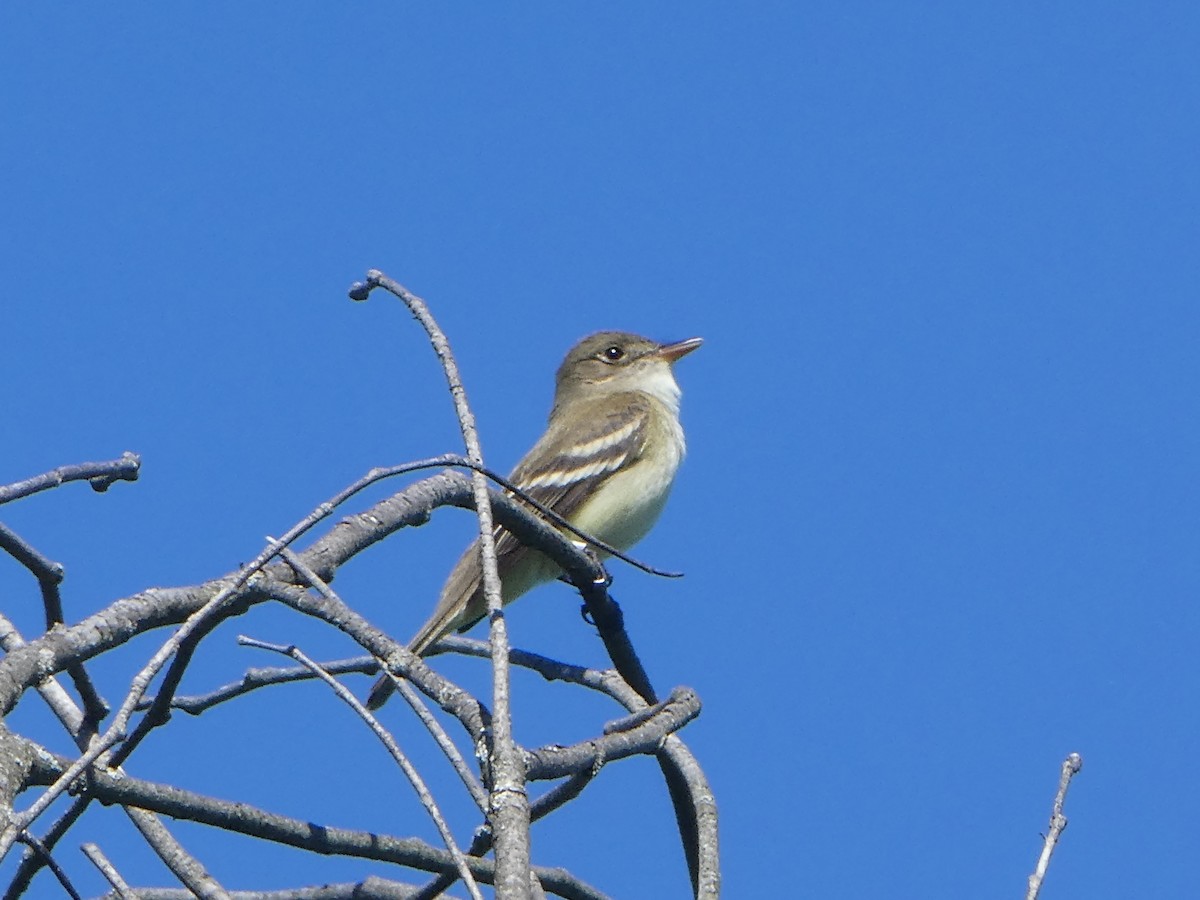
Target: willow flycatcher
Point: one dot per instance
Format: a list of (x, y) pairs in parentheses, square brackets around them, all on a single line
[(605, 464)]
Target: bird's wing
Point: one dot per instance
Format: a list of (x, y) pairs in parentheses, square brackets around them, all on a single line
[(569, 463), (560, 472)]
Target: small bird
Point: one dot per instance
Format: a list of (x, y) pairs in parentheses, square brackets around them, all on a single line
[(605, 464)]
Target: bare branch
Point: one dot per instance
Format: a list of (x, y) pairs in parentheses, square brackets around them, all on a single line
[(49, 575), (691, 791), (109, 871), (160, 607), (644, 736), (52, 692), (448, 747), (409, 770), (1070, 768), (100, 474), (473, 715), (117, 729), (172, 853), (691, 798), (31, 864), (509, 802), (197, 609), (265, 676), (42, 852), (194, 622), (98, 633), (243, 818), (73, 720), (199, 882), (44, 569), (372, 888), (695, 805), (610, 622), (431, 724)]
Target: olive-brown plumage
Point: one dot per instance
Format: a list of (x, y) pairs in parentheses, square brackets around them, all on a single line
[(605, 464)]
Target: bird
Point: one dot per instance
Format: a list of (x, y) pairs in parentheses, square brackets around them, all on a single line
[(606, 464)]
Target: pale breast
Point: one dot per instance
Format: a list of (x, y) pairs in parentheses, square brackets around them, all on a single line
[(624, 510)]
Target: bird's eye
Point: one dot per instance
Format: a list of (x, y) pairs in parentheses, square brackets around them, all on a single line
[(613, 353)]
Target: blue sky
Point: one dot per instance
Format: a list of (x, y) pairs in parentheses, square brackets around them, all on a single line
[(939, 514)]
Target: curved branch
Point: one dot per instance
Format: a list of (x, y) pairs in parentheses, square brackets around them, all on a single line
[(508, 800)]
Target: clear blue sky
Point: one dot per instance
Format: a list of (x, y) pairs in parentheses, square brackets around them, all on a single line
[(939, 517)]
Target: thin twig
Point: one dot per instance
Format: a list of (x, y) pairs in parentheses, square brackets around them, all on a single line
[(189, 870), (509, 802), (455, 461), (265, 676), (157, 713), (42, 852), (448, 747), (586, 537), (409, 770), (474, 716), (410, 696), (1070, 768), (32, 864), (100, 861)]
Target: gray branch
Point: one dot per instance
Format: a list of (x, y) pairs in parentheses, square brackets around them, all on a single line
[(101, 475), (1058, 822), (32, 664), (242, 818)]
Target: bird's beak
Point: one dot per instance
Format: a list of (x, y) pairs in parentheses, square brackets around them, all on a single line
[(678, 350)]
